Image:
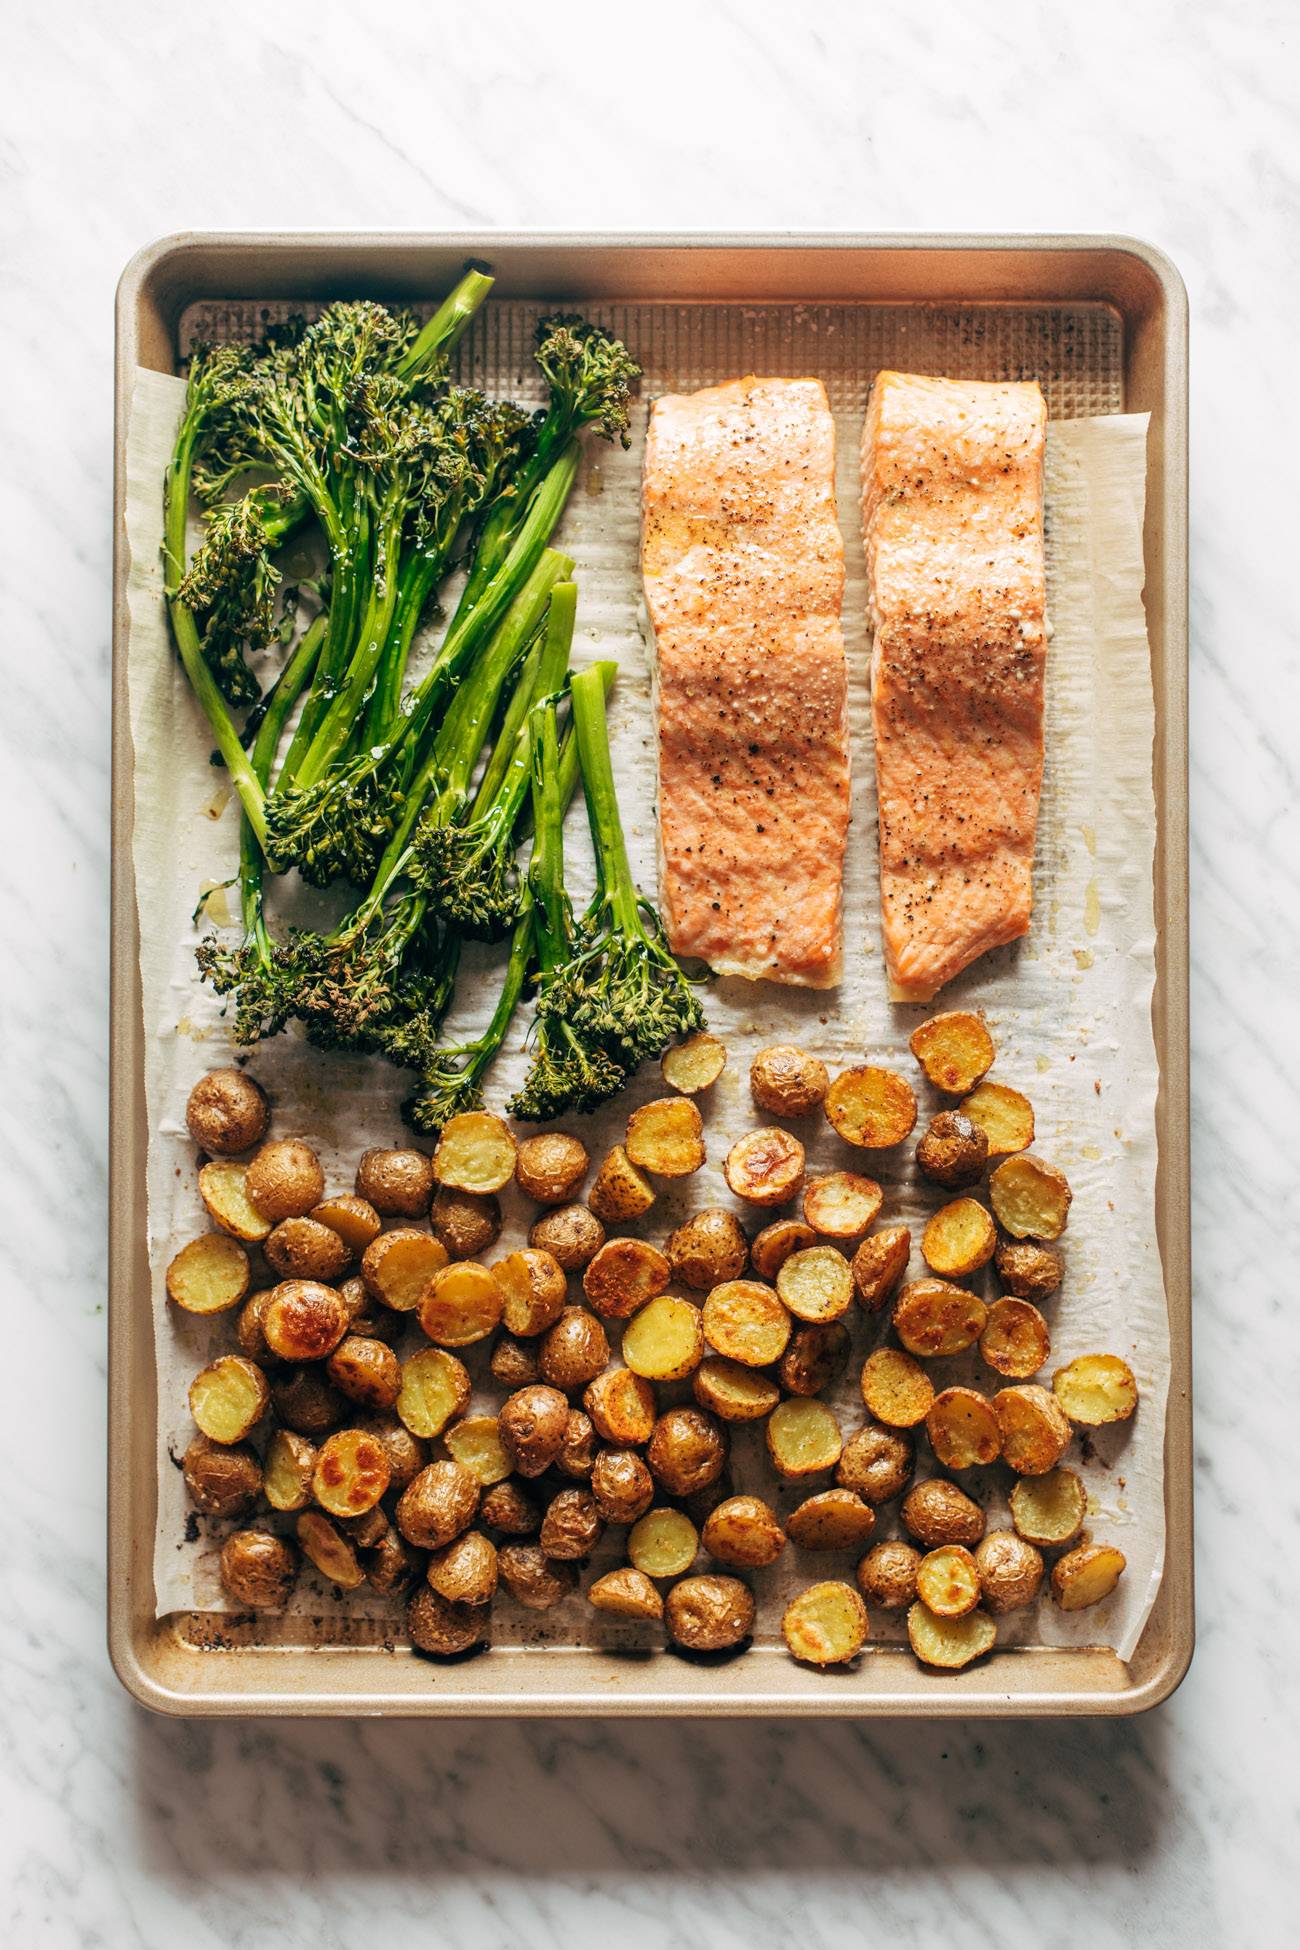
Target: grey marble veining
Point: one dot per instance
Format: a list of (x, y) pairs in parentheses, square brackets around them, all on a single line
[(1172, 121)]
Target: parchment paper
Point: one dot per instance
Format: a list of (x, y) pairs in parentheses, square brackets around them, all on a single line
[(1069, 1008)]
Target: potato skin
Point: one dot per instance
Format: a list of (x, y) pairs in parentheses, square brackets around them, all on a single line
[(306, 1402), (391, 1566), (285, 1179), (887, 1575), (571, 1234), (258, 1569), (1010, 1569), (531, 1424), (551, 1166), (622, 1407), (936, 1512), (1028, 1271), (304, 1249), (619, 1191), (535, 1289), (437, 1505), (575, 1350), (817, 1355), (466, 1224), (877, 1463), (506, 1507), (832, 1520), (304, 1320), (226, 1113), (578, 1450), (743, 1531), (464, 1571), (223, 1479), (786, 1081), (707, 1249), (441, 1629), (533, 1579), (621, 1485), (572, 1524), (366, 1371), (626, 1593), (953, 1151), (709, 1613), (879, 1264), (514, 1363), (775, 1243), (687, 1451), (398, 1183)]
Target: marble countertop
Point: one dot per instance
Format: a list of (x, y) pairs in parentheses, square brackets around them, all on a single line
[(1173, 122)]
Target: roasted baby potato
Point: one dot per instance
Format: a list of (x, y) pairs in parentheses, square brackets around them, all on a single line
[(665, 1340), (531, 1425), (953, 1151), (948, 1581), (287, 1470), (330, 1550), (367, 1528), (786, 1081), (1010, 1571), (578, 1450), (285, 1179), (743, 1531), (465, 1570), (816, 1356), (398, 1183), (475, 1443), (621, 1405), (695, 1065), (1095, 1389), (571, 1234), (354, 1219), (223, 1479), (228, 1398), (209, 1275), (433, 1387), (1035, 1428), (765, 1167), (462, 1303), (1028, 1271), (877, 1464), (305, 1402), (575, 1350), (1086, 1575), (550, 1167), (842, 1204), (1030, 1198), (1049, 1510), (351, 1473), (223, 1187), (304, 1321), (506, 1507), (833, 1520), (936, 1512), (619, 1191), (803, 1438), (465, 1224), (442, 1630), (826, 1625), (622, 1485), (709, 1614), (365, 1371), (745, 1321), (572, 1524), (666, 1137), (391, 1565), (879, 1264), (816, 1285), (534, 1290), (775, 1243), (1015, 1341), (733, 1392), (626, 1593), (663, 1543), (963, 1430), (870, 1107), (248, 1329), (934, 1318), (259, 1570), (954, 1049), (959, 1239), (624, 1274), (406, 1453), (438, 1504), (398, 1266), (475, 1153), (1004, 1115), (226, 1113), (687, 1451), (534, 1580), (304, 1249), (949, 1643), (896, 1388), (887, 1575), (707, 1249)]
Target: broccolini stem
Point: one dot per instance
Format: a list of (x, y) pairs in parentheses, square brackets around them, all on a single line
[(612, 866), (448, 324)]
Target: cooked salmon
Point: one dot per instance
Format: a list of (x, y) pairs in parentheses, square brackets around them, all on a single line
[(952, 509), (743, 564)]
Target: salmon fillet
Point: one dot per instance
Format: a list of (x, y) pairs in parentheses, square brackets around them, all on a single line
[(743, 564), (952, 510)]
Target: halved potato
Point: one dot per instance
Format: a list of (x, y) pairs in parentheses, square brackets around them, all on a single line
[(1095, 1389), (1005, 1116), (353, 1218), (626, 1593), (209, 1275), (803, 1438), (952, 1151), (817, 1355), (871, 1107), (833, 1520), (1035, 1428), (624, 1274), (666, 1137), (1085, 1576), (534, 1290), (228, 1398), (475, 1443), (745, 1320), (879, 1264), (694, 1065), (1030, 1197), (816, 1285), (963, 1429), (934, 1318), (351, 1473), (1015, 1341), (887, 1575), (575, 1350), (435, 1386), (707, 1249), (475, 1153), (842, 1204), (462, 1304), (877, 1463), (287, 1470), (826, 1625), (665, 1341), (621, 1405), (366, 1371), (285, 1179), (743, 1531), (1049, 1510), (765, 1167), (304, 1321), (775, 1243), (948, 1581), (550, 1167), (787, 1081), (949, 1643), (959, 1239), (333, 1554), (954, 1049), (619, 1191), (1028, 1271), (937, 1512), (663, 1543), (733, 1392), (398, 1266), (223, 1187), (1010, 1569), (896, 1388)]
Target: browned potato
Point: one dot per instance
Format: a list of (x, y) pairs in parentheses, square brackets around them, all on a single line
[(745, 1321), (775, 1243), (733, 1392), (709, 1614), (896, 1388), (1028, 1271), (1095, 1389), (578, 1450), (572, 1524), (248, 1329), (627, 1593), (949, 1643), (226, 1113), (887, 1575), (621, 1405), (1086, 1575), (622, 1485), (765, 1167), (744, 1531), (228, 1398), (306, 1403), (687, 1451), (963, 1430), (465, 1224), (287, 1471), (826, 1625), (953, 1151), (803, 1438), (354, 1219), (1049, 1510), (663, 1543), (351, 1473), (506, 1507), (572, 1235), (465, 1570), (223, 1187), (531, 1425), (665, 1341), (534, 1290), (304, 1249), (842, 1204), (475, 1153), (550, 1167), (438, 1504), (700, 1504), (695, 1065), (442, 1630), (514, 1363), (534, 1580), (330, 1550), (786, 1081), (1015, 1341), (707, 1249), (870, 1107), (879, 1264), (462, 1304), (619, 1191), (817, 1355), (816, 1285), (1004, 1115), (666, 1137), (932, 1317), (433, 1386), (877, 1464), (1035, 1428), (475, 1442), (285, 1179), (1030, 1197), (1010, 1571), (959, 1239), (398, 1266), (406, 1453), (948, 1581), (352, 1292), (258, 1569), (365, 1371), (223, 1479), (575, 1350), (936, 1512), (397, 1183), (954, 1049), (304, 1321), (392, 1565), (209, 1276), (833, 1520), (624, 1274), (366, 1528)]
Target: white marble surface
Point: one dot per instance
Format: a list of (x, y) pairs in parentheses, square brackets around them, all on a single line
[(1174, 121)]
